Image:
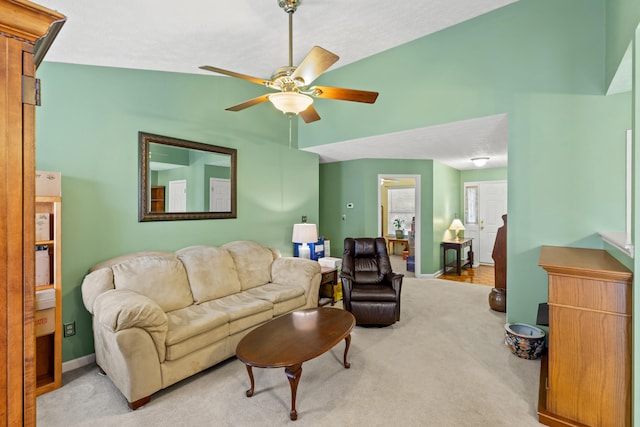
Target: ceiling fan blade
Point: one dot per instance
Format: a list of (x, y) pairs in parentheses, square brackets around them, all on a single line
[(310, 115), (344, 94), (317, 61), (249, 103), (256, 80)]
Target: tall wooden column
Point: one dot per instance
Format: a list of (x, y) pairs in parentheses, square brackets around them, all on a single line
[(22, 24)]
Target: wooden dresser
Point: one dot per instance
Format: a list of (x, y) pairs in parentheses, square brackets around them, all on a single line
[(586, 379)]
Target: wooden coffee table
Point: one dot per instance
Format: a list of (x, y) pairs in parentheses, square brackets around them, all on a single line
[(290, 340)]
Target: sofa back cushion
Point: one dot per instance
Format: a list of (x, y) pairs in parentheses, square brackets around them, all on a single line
[(159, 277), (212, 272), (253, 263)]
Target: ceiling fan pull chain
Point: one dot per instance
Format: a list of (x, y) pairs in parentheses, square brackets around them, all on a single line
[(290, 120)]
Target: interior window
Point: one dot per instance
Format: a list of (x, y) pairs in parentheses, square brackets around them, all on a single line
[(401, 204)]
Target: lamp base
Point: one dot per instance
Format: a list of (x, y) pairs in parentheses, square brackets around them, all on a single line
[(304, 251)]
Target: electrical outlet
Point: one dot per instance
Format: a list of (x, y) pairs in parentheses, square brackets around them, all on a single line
[(69, 329)]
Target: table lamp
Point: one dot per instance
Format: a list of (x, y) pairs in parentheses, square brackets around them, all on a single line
[(456, 226), (304, 234)]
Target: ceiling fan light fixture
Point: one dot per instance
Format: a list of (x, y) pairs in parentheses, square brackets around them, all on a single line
[(290, 102), (480, 161)]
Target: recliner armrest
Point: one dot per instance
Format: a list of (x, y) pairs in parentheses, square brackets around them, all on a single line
[(396, 281), (121, 309)]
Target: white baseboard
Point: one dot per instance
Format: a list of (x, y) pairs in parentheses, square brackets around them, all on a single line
[(70, 365), (429, 276)]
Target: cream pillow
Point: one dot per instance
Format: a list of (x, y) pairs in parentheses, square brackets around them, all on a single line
[(159, 277), (212, 273), (253, 263)]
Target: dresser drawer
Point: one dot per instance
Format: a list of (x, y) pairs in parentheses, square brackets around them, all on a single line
[(597, 295)]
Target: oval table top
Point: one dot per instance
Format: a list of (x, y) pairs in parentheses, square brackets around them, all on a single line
[(295, 337)]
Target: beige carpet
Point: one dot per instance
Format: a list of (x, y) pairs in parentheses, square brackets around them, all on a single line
[(443, 364)]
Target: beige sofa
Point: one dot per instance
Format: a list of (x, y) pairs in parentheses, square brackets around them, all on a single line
[(160, 317)]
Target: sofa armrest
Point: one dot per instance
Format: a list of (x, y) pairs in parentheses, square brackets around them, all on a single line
[(94, 284), (299, 272), (121, 309)]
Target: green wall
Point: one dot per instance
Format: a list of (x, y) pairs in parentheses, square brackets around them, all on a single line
[(357, 182), (542, 63), (87, 128), (622, 17), (479, 175), (446, 206)]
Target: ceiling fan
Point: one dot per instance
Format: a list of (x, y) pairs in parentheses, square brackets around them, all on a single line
[(296, 94)]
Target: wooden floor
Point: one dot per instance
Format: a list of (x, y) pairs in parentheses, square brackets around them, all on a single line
[(481, 275)]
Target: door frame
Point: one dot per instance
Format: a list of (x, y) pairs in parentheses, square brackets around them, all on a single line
[(470, 229), (416, 179)]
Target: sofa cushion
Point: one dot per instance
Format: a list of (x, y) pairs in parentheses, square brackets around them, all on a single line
[(275, 293), (253, 263), (284, 298), (159, 277), (243, 309), (212, 272), (194, 327)]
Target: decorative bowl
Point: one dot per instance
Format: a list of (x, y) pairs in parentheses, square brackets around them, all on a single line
[(525, 341), (498, 299)]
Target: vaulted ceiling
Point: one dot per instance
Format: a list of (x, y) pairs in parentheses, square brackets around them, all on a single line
[(251, 37)]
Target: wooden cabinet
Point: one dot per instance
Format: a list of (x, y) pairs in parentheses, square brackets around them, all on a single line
[(49, 344), (23, 26), (157, 198), (588, 377)]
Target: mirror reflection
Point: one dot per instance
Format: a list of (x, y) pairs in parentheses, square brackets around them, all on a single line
[(182, 179)]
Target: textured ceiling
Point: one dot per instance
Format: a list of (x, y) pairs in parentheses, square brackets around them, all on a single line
[(485, 136), (249, 36)]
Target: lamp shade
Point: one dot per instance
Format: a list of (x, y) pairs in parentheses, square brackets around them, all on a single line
[(456, 225), (304, 233), (290, 102)]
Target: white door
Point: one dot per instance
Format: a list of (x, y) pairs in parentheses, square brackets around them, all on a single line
[(178, 196), (493, 204), (485, 203), (219, 195)]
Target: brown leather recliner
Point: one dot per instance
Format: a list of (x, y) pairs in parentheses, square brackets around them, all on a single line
[(370, 290)]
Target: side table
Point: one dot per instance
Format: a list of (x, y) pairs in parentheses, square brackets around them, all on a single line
[(458, 246), (327, 284)]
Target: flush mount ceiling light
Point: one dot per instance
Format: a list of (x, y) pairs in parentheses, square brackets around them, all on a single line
[(480, 161)]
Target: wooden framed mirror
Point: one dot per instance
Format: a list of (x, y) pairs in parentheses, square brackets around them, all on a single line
[(183, 180)]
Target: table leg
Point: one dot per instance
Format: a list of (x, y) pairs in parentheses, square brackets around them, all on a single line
[(444, 260), (293, 374), (249, 392), (346, 349), (458, 261)]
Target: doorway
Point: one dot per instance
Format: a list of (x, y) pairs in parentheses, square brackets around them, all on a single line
[(402, 185), (484, 204)]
